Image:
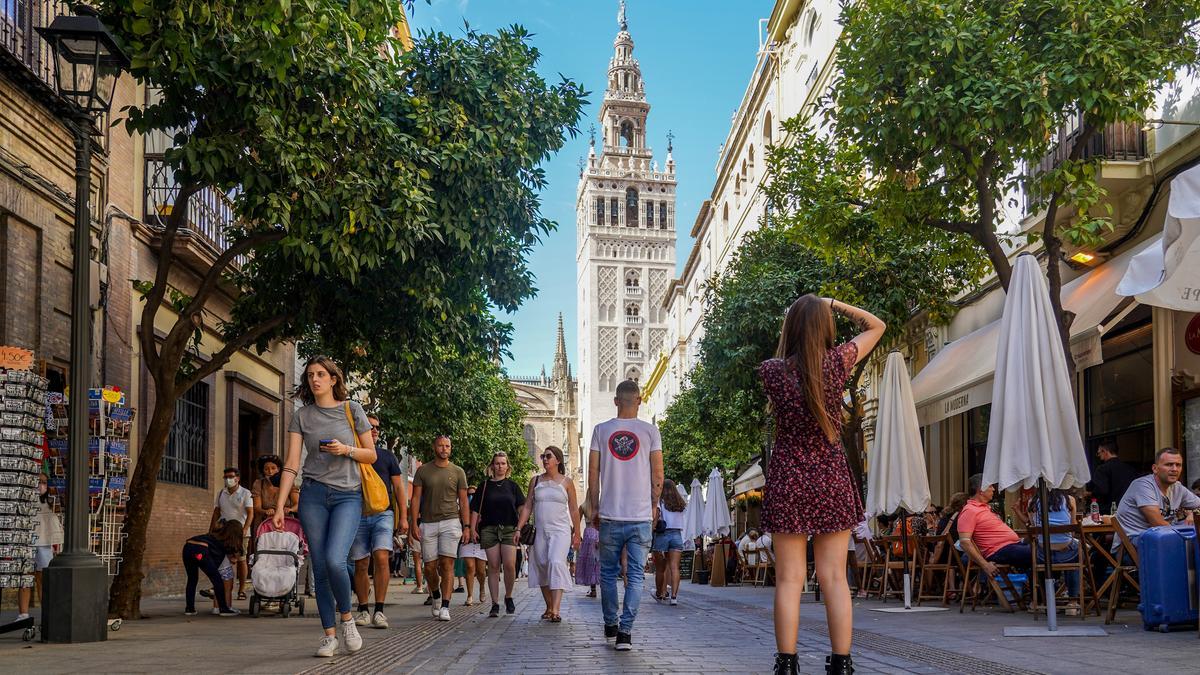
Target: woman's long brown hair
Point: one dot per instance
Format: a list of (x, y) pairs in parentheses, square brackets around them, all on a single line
[(671, 498), (305, 393), (807, 335), (229, 533)]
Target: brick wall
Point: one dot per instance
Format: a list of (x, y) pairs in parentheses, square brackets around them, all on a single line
[(180, 512)]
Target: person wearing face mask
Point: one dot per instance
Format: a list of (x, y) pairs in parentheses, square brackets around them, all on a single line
[(235, 503), (48, 536)]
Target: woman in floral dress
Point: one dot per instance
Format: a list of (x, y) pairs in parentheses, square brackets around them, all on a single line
[(587, 566), (809, 490)]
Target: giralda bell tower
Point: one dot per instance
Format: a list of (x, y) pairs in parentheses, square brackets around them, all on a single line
[(625, 255)]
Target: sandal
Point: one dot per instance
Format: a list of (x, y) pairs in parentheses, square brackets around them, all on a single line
[(555, 618), (546, 615), (241, 595)]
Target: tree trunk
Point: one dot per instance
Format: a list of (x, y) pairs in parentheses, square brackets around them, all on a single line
[(124, 599)]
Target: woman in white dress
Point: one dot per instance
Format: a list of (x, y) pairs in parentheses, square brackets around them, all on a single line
[(552, 501)]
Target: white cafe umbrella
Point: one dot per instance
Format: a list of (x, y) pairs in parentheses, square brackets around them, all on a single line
[(1167, 274), (693, 515), (896, 479), (1033, 437), (716, 508)]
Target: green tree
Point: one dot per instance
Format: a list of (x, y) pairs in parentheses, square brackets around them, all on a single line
[(952, 102), (361, 179), (467, 399), (722, 419)]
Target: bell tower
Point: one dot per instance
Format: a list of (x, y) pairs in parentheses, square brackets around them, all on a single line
[(625, 232)]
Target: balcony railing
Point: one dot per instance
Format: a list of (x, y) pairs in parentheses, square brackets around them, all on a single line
[(18, 19), (209, 212), (1119, 142), (633, 319), (633, 290), (633, 354)]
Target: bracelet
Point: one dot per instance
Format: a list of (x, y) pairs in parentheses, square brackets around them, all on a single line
[(350, 453), (291, 471)]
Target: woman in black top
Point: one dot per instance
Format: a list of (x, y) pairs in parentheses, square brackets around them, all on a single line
[(205, 552), (493, 523)]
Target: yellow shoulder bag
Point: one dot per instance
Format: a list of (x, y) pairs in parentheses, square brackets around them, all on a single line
[(374, 491)]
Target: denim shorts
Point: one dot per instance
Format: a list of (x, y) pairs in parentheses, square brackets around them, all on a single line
[(374, 534), (671, 540)]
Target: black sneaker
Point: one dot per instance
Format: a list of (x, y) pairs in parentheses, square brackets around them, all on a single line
[(428, 601), (205, 593), (624, 642), (189, 612), (510, 607), (228, 611), (460, 589), (495, 610), (610, 632)]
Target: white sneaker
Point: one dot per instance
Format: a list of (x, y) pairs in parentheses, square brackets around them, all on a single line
[(674, 601), (444, 614), (351, 636), (22, 617), (362, 618), (378, 620), (216, 611), (328, 647), (436, 608)]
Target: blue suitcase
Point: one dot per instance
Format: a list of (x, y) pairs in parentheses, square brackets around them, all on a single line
[(1167, 574)]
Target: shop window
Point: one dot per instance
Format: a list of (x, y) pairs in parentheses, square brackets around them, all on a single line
[(1119, 397), (186, 458), (977, 437)]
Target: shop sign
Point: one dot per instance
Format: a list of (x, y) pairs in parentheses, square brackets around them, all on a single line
[(1087, 352), (1191, 336), (15, 358)]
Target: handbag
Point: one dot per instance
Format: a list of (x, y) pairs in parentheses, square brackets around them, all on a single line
[(528, 532), (374, 492)]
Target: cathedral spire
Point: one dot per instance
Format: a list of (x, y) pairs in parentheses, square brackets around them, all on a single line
[(561, 368), (621, 16)]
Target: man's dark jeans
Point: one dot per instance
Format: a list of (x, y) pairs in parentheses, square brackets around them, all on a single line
[(1016, 555)]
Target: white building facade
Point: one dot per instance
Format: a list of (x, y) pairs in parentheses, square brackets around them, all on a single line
[(625, 256), (795, 62)]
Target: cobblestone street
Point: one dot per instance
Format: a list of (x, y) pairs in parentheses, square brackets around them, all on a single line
[(711, 630)]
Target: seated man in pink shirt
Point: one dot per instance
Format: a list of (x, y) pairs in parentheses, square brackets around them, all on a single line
[(984, 537)]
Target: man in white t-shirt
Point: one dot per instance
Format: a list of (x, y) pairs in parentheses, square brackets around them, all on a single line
[(625, 479), (235, 502)]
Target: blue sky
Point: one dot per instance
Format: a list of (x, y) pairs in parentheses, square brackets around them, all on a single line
[(696, 58)]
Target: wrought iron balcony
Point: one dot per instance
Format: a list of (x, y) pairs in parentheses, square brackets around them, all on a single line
[(19, 40), (633, 354), (209, 212), (633, 290), (633, 319), (1120, 142)]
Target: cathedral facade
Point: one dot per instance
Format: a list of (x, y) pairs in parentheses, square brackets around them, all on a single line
[(551, 412), (625, 255)]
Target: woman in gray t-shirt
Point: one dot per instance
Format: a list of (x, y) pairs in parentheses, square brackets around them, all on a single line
[(336, 435)]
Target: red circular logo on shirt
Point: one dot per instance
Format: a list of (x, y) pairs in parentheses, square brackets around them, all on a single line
[(623, 445)]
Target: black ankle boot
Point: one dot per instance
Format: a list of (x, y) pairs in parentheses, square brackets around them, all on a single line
[(839, 664), (785, 664)]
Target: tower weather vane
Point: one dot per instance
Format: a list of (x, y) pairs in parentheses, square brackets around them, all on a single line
[(670, 140), (592, 134), (621, 16)]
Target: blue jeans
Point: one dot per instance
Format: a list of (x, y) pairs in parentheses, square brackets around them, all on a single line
[(633, 538), (330, 521)]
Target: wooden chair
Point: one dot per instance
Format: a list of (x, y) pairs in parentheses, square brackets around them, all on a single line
[(1125, 572), (893, 567), (873, 568), (979, 587), (937, 558), (1037, 567), (764, 568)]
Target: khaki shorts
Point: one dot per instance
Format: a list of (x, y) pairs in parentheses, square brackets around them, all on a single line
[(490, 535), (440, 539)]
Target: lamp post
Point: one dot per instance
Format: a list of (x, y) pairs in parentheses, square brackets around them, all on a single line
[(75, 589)]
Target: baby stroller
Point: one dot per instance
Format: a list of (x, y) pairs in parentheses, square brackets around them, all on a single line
[(275, 567)]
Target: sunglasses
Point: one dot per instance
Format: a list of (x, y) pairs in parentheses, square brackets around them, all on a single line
[(548, 455)]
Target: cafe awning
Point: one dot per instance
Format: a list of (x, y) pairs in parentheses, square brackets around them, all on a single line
[(959, 378), (751, 479)]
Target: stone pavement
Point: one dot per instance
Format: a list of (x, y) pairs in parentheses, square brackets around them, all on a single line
[(711, 630)]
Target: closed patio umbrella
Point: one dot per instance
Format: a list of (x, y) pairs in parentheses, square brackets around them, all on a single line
[(1033, 437), (896, 477), (716, 509), (693, 515)]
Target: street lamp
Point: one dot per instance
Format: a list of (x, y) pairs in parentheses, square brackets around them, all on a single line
[(75, 584)]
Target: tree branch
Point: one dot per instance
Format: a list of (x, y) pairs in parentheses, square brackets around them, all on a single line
[(219, 359), (956, 226), (184, 323), (166, 252)]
